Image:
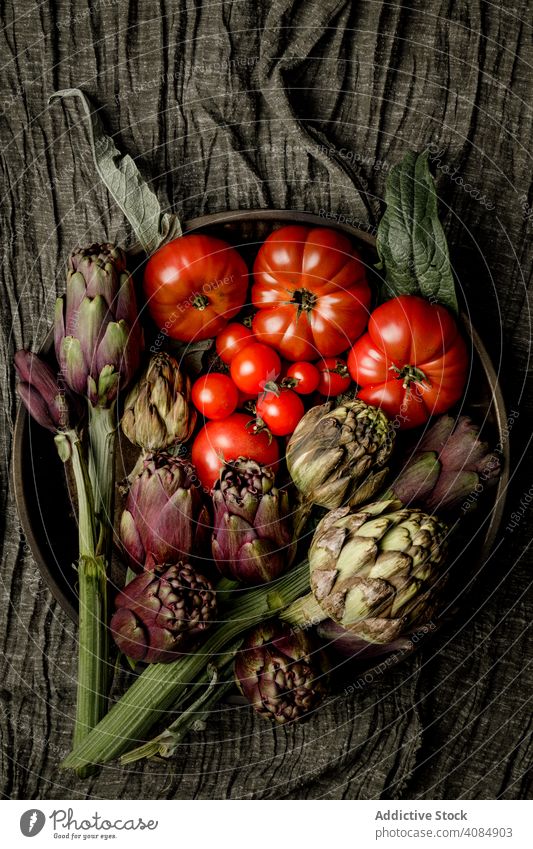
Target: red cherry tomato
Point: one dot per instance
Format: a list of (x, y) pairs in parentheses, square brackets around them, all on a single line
[(281, 413), (254, 367), (310, 291), (334, 376), (194, 285), (228, 439), (215, 396), (412, 362), (306, 375), (233, 339)]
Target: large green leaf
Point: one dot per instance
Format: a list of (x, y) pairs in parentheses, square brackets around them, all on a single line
[(411, 243), (125, 183)]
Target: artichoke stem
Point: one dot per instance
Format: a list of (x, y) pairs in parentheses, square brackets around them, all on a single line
[(92, 639), (86, 523), (102, 441), (304, 612), (161, 686), (92, 651), (197, 712)]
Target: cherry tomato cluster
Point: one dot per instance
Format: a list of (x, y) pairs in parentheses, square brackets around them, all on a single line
[(312, 336)]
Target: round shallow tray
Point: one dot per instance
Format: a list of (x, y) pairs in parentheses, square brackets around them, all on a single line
[(42, 494)]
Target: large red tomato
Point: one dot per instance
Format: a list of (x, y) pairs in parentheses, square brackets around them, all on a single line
[(311, 292), (194, 285), (412, 362), (228, 439)]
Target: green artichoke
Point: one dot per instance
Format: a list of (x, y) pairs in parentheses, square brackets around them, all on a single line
[(98, 338), (337, 455), (158, 412), (378, 571), (282, 673), (253, 530)]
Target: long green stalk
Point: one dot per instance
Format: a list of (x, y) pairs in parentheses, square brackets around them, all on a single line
[(102, 446), (92, 637), (158, 688), (93, 672), (195, 712)]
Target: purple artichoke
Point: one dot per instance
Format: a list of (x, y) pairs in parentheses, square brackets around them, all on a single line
[(281, 672), (98, 338), (253, 534), (49, 403), (158, 616), (448, 464), (157, 411), (165, 519)]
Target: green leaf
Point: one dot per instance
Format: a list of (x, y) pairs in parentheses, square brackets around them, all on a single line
[(190, 355), (411, 243), (124, 182)]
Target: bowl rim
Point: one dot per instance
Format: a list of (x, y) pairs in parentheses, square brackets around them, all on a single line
[(56, 586)]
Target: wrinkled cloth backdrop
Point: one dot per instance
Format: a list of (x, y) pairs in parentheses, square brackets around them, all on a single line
[(230, 105)]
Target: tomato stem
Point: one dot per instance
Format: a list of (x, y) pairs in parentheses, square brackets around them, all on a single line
[(409, 374), (200, 302), (304, 300)]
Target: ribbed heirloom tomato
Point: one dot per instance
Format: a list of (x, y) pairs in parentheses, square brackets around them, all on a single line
[(311, 292), (412, 362), (194, 285)]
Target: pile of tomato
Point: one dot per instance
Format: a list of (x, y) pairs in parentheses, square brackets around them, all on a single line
[(311, 336)]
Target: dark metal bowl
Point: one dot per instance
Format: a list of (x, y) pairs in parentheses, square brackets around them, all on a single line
[(42, 495)]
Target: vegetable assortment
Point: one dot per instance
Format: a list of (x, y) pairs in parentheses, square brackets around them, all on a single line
[(275, 508)]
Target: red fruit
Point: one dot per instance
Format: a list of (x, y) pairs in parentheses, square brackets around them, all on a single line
[(233, 339), (280, 412), (215, 395), (310, 292), (228, 439), (254, 367), (306, 375), (412, 362), (194, 285), (334, 377)]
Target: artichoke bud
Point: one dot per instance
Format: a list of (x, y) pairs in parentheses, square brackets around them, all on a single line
[(253, 530), (157, 411), (46, 397), (337, 455), (98, 338), (160, 615), (165, 519), (282, 673), (381, 564), (447, 466)]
